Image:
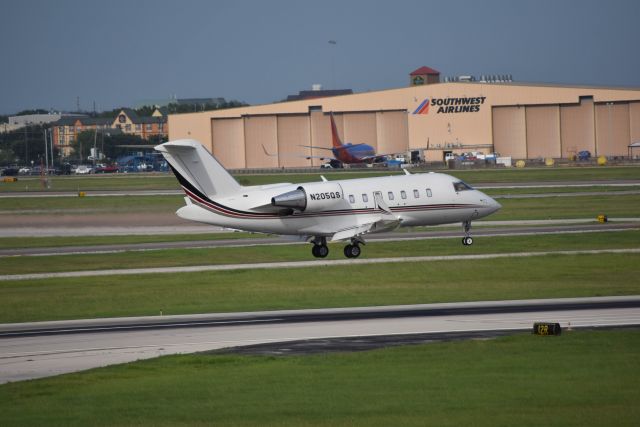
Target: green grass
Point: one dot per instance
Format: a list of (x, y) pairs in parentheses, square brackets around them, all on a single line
[(302, 252), (582, 378), (88, 205), (548, 208), (167, 181), (558, 190), (551, 276), (62, 241), (621, 205)]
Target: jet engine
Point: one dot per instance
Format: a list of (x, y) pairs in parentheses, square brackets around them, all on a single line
[(312, 197)]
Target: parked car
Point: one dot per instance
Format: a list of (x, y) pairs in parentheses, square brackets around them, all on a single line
[(83, 170), (10, 171), (63, 169), (584, 155), (24, 170), (106, 169)]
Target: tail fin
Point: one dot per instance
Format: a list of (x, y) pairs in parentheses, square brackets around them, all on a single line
[(197, 169), (335, 138)]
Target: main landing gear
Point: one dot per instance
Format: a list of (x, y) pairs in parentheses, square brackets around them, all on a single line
[(320, 249), (353, 250), (467, 240)]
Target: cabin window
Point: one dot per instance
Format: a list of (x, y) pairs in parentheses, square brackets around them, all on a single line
[(403, 194), (365, 198), (429, 192), (390, 193), (416, 194), (352, 199), (461, 186)]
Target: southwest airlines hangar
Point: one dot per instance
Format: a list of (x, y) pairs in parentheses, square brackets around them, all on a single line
[(518, 120)]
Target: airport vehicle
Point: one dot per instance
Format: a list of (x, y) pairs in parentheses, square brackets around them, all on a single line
[(343, 210)]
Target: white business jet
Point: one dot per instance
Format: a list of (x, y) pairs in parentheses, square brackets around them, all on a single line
[(343, 210)]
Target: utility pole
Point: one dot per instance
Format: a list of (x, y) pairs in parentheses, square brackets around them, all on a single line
[(51, 141), (26, 146), (46, 151)]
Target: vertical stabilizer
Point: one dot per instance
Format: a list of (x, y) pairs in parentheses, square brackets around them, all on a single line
[(335, 138), (194, 166)]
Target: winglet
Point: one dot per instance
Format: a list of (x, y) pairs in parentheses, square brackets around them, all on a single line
[(323, 178), (266, 152), (406, 172)]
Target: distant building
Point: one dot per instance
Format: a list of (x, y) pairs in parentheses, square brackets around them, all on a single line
[(129, 122), (428, 119), (424, 76), (18, 122), (318, 92), (67, 129)]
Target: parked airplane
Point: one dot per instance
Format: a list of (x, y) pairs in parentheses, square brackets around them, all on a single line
[(345, 153), (321, 211)]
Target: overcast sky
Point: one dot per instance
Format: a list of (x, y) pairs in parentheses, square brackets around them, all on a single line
[(119, 53)]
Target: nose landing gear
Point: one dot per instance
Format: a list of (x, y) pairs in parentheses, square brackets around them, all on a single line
[(467, 240)]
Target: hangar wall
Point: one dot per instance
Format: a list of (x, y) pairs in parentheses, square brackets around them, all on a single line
[(514, 119), (238, 142), (510, 131), (576, 128), (228, 142), (543, 131)]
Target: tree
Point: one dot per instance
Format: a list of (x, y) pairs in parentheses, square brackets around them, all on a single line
[(23, 145)]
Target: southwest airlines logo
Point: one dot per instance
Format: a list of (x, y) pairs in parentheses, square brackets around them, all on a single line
[(423, 108), (451, 105)]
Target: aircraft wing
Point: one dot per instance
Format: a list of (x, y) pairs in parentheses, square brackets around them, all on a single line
[(300, 156), (344, 147), (383, 224), (386, 221)]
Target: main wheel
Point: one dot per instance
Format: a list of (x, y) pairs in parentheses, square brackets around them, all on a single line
[(322, 251), (352, 251), (347, 251), (467, 241)]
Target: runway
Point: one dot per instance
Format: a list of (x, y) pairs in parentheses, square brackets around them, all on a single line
[(481, 228), (41, 354)]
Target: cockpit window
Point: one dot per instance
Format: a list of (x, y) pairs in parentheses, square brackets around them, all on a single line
[(461, 186)]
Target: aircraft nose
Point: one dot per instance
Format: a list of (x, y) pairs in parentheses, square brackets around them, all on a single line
[(490, 204), (493, 205)]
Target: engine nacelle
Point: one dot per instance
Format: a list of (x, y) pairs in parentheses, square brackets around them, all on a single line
[(313, 197)]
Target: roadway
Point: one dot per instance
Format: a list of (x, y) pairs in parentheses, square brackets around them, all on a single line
[(44, 349)]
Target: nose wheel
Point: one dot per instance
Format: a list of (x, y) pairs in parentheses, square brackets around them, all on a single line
[(467, 240)]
